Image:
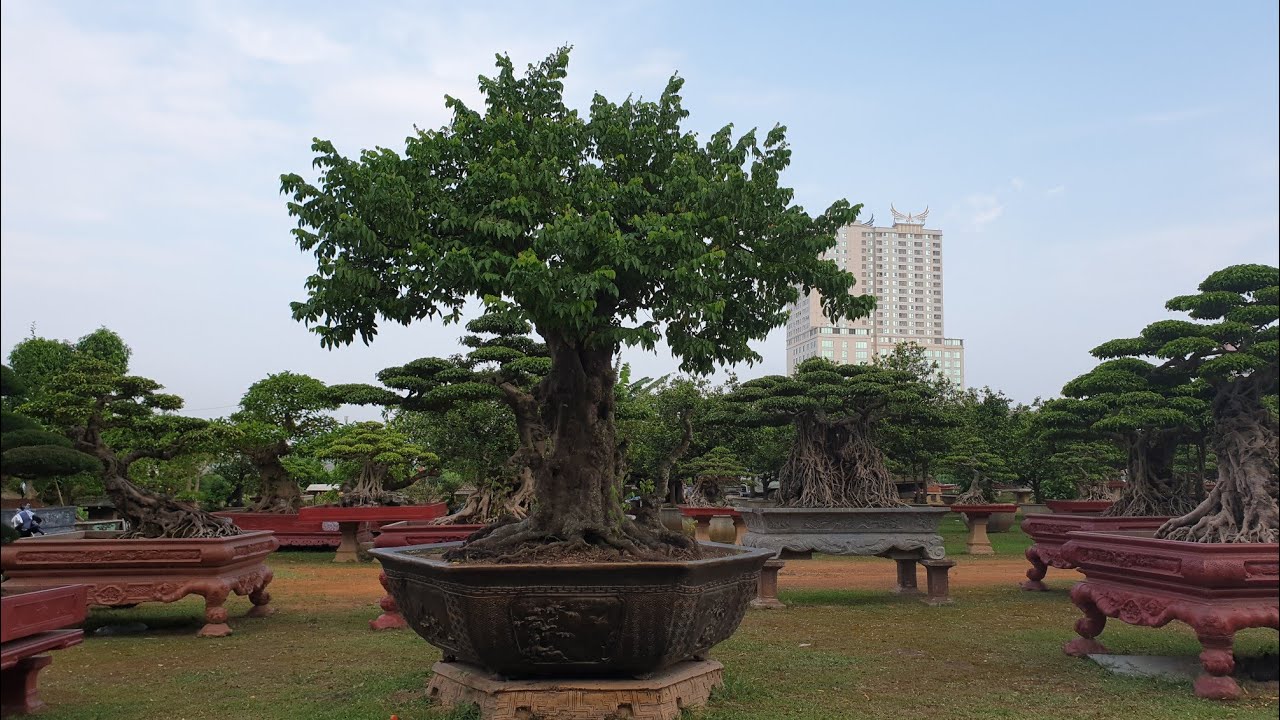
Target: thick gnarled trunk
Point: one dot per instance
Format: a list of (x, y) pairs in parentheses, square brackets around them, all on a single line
[(578, 508), (1152, 488), (836, 465), (1242, 508), (280, 493)]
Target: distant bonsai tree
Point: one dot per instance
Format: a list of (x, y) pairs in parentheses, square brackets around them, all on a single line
[(28, 451), (835, 460), (121, 419), (503, 366), (711, 472), (1234, 351), (972, 462), (1088, 467), (386, 462), (1146, 413), (276, 413), (655, 427), (600, 230)]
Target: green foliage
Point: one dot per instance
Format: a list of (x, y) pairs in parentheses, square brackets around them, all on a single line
[(617, 228), (718, 465), (30, 452)]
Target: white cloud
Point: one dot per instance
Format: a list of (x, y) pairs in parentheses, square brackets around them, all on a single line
[(983, 209), (1056, 190), (1017, 184)]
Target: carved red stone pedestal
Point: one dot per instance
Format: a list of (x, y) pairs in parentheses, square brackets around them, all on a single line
[(30, 626), (701, 517), (402, 534), (291, 530), (661, 696), (1079, 507), (977, 543), (350, 520), (1049, 533), (1216, 588), (128, 572)]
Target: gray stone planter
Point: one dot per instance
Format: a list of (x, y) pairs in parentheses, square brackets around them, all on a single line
[(885, 532), (55, 520)]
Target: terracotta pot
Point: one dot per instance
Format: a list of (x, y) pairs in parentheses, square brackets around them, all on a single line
[(573, 620), (1079, 507), (127, 572), (1048, 533), (846, 531), (1216, 588), (722, 530), (997, 522), (418, 532), (289, 529)]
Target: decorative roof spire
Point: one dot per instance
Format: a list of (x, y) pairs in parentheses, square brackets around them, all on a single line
[(907, 218)]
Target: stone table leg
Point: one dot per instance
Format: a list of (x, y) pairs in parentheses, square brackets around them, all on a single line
[(702, 529), (767, 589), (349, 548), (978, 543), (906, 577), (1088, 627), (1218, 661), (19, 693), (739, 529), (1037, 572), (215, 616), (390, 619), (939, 582), (260, 609)]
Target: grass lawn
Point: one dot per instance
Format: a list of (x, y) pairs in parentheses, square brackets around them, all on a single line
[(852, 651)]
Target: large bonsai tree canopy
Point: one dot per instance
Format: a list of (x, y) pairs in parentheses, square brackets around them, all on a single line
[(1233, 349), (276, 413), (121, 419), (504, 366), (1146, 412), (836, 409), (610, 229)]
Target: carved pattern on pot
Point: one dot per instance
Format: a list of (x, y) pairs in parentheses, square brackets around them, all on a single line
[(566, 629), (1262, 569), (254, 548), (1126, 559), (108, 595), (106, 556)]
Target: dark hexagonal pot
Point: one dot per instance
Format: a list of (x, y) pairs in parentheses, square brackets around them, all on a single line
[(573, 620)]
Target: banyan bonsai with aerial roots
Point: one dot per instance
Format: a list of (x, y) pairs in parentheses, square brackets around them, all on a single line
[(835, 461), (602, 229), (1233, 349), (1148, 414)]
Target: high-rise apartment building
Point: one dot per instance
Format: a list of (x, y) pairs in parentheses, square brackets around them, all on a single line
[(902, 267)]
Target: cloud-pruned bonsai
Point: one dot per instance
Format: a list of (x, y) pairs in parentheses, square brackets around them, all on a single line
[(505, 365), (384, 462), (1145, 412), (837, 410), (122, 419), (1231, 346), (601, 230), (275, 414), (971, 461), (711, 472), (28, 451)]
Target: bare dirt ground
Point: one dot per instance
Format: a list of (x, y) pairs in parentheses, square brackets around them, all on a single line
[(875, 573)]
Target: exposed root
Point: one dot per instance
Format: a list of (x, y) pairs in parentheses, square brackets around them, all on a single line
[(836, 466), (155, 516), (522, 542), (278, 505), (972, 496), (1242, 508), (493, 503), (1151, 489)]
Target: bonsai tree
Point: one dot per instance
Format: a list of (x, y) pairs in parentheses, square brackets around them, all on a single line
[(610, 229), (972, 461), (655, 423), (385, 461), (276, 413), (837, 410), (121, 419), (503, 366), (711, 472), (28, 451), (1144, 412), (1233, 350), (1087, 466)]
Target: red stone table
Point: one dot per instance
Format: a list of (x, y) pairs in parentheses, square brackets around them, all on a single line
[(701, 516), (977, 543), (1079, 507), (1216, 588), (31, 624), (1048, 533), (403, 534), (291, 530), (350, 519)]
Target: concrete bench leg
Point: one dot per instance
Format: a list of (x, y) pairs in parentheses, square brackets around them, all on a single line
[(906, 576), (939, 583), (767, 590), (21, 695)]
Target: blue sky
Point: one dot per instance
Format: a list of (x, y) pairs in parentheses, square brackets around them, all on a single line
[(1085, 161)]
